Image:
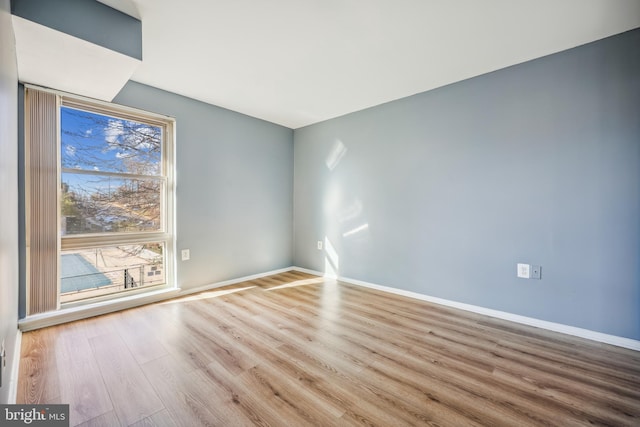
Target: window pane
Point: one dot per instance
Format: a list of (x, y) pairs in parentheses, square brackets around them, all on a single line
[(96, 272), (96, 142), (106, 204)]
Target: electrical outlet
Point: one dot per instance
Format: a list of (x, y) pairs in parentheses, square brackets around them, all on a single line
[(536, 272), (524, 271), (186, 255), (319, 245)]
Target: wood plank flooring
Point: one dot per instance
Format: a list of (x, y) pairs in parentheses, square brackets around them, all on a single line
[(295, 350)]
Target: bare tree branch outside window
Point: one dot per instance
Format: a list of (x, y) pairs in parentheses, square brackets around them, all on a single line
[(111, 174)]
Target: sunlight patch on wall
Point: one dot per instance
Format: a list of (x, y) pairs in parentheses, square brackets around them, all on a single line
[(355, 230), (336, 154), (331, 260)]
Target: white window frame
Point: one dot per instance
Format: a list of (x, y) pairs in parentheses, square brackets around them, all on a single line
[(165, 235)]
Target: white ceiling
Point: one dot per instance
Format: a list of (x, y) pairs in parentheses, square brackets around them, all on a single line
[(298, 62)]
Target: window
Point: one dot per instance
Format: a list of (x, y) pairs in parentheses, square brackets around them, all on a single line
[(112, 201), (113, 213)]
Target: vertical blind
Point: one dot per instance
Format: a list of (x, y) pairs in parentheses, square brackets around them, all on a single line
[(41, 177)]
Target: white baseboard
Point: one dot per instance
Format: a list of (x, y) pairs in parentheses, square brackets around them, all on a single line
[(314, 272), (543, 324), (81, 312), (15, 367), (70, 314), (184, 292)]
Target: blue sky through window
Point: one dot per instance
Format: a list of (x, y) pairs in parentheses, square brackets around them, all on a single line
[(100, 143), (99, 199)]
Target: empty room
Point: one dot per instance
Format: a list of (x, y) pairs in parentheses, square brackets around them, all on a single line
[(291, 213)]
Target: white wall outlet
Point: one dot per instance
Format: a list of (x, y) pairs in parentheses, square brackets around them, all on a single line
[(319, 245), (186, 255), (524, 271), (536, 272)]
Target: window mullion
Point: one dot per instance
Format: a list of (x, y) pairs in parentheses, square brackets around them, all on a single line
[(113, 174), (87, 241)]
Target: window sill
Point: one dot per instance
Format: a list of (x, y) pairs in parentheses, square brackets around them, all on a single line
[(70, 314)]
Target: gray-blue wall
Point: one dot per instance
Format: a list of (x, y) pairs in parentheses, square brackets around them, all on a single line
[(537, 163), (8, 194), (234, 192)]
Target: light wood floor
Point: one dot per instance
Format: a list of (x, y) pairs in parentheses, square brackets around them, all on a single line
[(294, 350)]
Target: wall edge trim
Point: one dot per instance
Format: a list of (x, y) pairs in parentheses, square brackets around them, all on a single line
[(15, 367), (530, 321), (71, 314), (232, 281)]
